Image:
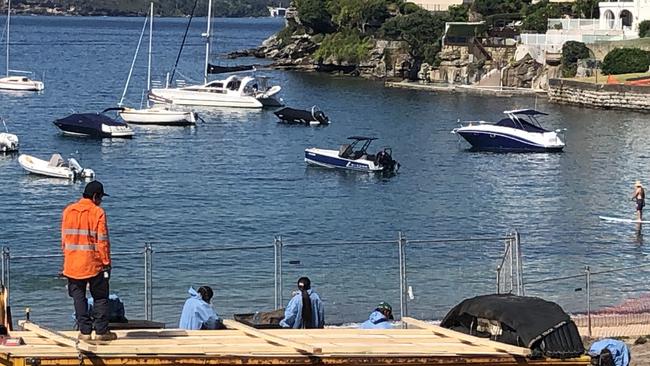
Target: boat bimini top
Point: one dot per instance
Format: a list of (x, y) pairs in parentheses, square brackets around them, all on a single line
[(523, 119), (348, 150)]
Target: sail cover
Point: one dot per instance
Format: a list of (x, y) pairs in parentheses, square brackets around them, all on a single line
[(216, 69)]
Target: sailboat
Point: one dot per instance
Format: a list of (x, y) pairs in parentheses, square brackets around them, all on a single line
[(17, 82), (234, 91), (159, 114)]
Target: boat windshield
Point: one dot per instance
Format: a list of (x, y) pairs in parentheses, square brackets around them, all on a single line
[(521, 123)]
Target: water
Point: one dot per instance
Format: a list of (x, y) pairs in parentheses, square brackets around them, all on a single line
[(240, 179)]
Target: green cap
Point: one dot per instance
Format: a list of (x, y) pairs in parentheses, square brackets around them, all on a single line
[(385, 306)]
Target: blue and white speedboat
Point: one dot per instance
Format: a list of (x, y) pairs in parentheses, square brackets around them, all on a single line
[(520, 131), (353, 156)]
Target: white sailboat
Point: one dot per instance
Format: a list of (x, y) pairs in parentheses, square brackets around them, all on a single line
[(235, 91), (158, 114), (17, 82)]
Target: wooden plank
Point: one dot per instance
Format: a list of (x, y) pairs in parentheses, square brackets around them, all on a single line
[(510, 349), (56, 337), (271, 338)]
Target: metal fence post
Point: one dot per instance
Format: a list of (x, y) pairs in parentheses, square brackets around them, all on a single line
[(280, 286), (276, 299), (401, 246), (148, 281), (6, 260), (588, 294), (520, 264)]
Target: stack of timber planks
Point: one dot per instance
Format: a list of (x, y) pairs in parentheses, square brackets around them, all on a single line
[(422, 344)]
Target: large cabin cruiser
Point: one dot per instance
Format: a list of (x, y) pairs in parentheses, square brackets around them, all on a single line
[(520, 131), (234, 91)]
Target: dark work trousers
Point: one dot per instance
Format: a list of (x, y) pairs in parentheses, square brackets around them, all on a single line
[(99, 292)]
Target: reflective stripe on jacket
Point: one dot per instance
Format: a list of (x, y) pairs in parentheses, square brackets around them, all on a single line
[(84, 240)]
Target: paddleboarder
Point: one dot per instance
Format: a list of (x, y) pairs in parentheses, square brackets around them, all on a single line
[(639, 197)]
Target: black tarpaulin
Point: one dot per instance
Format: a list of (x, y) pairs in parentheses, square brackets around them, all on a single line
[(525, 321), (88, 119)]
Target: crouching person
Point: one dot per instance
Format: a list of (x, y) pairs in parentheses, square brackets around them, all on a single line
[(198, 312), (380, 318)]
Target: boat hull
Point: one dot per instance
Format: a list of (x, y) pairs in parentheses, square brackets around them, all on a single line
[(500, 141), (8, 142), (82, 131), (19, 84), (203, 98), (158, 117), (330, 159)]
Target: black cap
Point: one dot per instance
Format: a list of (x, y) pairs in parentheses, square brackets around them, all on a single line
[(94, 187)]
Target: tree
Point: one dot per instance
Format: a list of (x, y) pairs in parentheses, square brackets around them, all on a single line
[(626, 60), (314, 15), (421, 31), (586, 9), (358, 14), (537, 15), (644, 29), (489, 7), (458, 13), (572, 51)]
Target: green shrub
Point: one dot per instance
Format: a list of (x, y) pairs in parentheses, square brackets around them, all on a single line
[(572, 51), (346, 46), (625, 61), (644, 29)]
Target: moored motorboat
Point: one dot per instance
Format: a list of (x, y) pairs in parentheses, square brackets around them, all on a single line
[(93, 125), (20, 83), (520, 131), (353, 156), (314, 117), (56, 167)]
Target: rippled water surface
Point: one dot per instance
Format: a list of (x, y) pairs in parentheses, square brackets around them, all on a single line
[(239, 180)]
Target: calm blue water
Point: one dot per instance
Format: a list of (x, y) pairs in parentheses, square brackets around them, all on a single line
[(240, 179)]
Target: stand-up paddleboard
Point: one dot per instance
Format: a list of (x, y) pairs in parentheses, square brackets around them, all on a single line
[(618, 219)]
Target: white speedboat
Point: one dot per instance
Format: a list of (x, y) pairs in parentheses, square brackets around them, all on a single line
[(156, 115), (520, 131), (8, 142), (56, 167), (14, 82), (235, 91), (353, 156)]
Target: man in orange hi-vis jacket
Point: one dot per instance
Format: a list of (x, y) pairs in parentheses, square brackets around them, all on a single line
[(87, 260)]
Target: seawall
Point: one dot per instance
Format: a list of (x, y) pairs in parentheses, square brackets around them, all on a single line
[(608, 96)]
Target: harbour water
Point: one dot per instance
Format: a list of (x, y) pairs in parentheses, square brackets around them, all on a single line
[(240, 179)]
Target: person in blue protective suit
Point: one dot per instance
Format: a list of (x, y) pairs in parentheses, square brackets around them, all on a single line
[(198, 312), (380, 318), (305, 310), (614, 349)]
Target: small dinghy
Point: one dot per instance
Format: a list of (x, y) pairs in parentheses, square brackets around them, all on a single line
[(93, 125), (8, 142), (56, 167), (353, 156), (315, 117)]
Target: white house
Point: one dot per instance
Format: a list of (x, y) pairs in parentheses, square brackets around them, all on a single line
[(619, 20), (624, 15)]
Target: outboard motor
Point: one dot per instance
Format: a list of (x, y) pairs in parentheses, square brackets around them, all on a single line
[(384, 159), (321, 117)]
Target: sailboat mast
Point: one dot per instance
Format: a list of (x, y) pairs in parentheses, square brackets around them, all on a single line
[(8, 16), (207, 44), (149, 62)]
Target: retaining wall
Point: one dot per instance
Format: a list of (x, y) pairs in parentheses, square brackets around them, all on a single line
[(608, 96)]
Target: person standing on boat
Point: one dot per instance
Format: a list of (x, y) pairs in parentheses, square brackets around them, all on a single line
[(87, 261), (380, 318), (639, 197), (198, 312), (305, 309)]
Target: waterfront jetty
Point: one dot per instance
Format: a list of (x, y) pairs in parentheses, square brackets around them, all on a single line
[(239, 344)]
